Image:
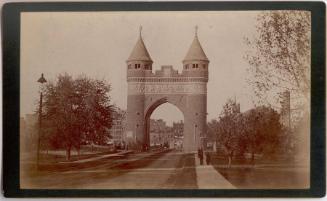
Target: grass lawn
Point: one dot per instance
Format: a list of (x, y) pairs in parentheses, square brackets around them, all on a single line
[(265, 174), (52, 160)]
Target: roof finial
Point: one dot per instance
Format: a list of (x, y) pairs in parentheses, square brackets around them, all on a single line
[(140, 31), (196, 31)]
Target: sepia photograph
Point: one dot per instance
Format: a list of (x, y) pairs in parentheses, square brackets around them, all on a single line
[(165, 100)]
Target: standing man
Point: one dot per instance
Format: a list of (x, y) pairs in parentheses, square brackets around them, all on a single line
[(201, 156), (208, 159)]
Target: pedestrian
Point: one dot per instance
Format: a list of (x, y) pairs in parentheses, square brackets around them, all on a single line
[(201, 157), (208, 159)]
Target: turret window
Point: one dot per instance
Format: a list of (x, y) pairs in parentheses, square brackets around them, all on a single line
[(147, 67), (204, 66), (137, 66), (195, 65), (129, 66)]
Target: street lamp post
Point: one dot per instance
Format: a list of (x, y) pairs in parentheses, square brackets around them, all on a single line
[(40, 80)]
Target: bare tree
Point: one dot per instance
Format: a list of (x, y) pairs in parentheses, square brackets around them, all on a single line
[(279, 55)]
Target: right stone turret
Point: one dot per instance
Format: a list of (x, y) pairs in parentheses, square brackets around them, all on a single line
[(195, 63)]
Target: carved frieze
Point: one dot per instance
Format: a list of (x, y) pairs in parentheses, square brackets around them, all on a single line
[(167, 88)]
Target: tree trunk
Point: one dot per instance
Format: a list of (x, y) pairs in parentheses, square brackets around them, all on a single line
[(229, 161), (68, 153), (230, 158)]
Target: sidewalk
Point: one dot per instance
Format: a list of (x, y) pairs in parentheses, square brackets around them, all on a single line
[(208, 178)]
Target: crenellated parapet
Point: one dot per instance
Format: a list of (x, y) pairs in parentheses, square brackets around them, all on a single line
[(167, 71), (167, 74)]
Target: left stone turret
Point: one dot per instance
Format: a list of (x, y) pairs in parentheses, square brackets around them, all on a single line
[(139, 60), (139, 64)]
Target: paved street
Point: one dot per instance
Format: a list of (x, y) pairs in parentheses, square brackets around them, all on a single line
[(144, 170), (161, 169)]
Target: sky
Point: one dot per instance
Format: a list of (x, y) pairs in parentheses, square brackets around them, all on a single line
[(98, 44)]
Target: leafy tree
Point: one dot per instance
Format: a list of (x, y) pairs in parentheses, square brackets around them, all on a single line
[(229, 130), (76, 110), (212, 129), (262, 131), (257, 131), (279, 55)]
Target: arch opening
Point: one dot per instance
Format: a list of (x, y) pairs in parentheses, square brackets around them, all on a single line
[(164, 126)]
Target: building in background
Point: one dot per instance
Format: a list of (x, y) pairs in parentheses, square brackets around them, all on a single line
[(157, 132), (291, 122), (160, 133), (118, 127), (178, 128), (28, 131), (178, 132)]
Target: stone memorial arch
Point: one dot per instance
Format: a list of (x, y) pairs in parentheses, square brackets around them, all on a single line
[(186, 90)]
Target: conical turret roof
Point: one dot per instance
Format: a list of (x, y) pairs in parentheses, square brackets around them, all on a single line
[(196, 52), (139, 53)]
